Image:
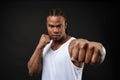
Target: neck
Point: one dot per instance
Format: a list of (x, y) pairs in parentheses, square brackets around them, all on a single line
[(56, 44), (62, 40)]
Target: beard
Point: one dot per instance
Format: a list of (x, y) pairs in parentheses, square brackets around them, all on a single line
[(56, 38)]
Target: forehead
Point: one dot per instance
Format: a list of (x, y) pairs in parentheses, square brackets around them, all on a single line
[(55, 19)]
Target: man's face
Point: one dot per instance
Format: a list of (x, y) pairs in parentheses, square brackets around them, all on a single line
[(56, 27)]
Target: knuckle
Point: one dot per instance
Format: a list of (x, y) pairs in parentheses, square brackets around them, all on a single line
[(81, 60), (93, 61)]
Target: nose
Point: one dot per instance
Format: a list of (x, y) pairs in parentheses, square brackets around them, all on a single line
[(55, 29)]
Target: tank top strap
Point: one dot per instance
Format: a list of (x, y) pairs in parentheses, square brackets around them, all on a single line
[(72, 38)]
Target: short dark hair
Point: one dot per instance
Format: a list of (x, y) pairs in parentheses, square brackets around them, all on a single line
[(57, 12)]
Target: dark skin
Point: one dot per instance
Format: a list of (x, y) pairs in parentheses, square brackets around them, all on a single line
[(80, 50)]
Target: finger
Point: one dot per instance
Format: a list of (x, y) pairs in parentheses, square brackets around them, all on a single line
[(70, 50), (89, 54), (74, 57), (47, 38), (95, 57), (75, 52), (82, 53)]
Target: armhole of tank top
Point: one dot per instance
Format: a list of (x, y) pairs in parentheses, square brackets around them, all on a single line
[(76, 67)]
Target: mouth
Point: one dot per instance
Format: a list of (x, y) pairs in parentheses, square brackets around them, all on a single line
[(55, 36)]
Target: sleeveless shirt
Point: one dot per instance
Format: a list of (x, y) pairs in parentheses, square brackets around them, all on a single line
[(57, 64)]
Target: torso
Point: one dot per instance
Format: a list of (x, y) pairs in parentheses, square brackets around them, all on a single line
[(57, 63)]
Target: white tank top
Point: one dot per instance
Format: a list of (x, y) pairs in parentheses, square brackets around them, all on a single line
[(57, 64)]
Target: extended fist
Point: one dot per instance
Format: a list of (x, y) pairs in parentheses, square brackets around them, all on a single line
[(82, 50)]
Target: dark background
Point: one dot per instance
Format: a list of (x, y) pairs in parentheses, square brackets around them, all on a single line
[(22, 23)]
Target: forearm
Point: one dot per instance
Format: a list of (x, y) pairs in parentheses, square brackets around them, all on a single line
[(34, 64)]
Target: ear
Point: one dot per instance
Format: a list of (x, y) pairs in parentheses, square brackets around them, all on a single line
[(65, 24)]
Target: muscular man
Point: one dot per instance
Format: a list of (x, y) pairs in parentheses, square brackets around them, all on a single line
[(60, 56)]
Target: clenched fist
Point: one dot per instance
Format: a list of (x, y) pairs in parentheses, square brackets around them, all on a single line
[(82, 50), (45, 39)]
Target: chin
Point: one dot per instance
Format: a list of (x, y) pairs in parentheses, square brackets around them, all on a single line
[(56, 39)]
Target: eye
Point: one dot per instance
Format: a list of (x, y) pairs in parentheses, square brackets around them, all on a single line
[(59, 26), (51, 26)]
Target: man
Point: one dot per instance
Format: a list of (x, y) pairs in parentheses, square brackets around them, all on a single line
[(59, 56)]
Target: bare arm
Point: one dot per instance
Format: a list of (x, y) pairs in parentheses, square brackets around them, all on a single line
[(35, 63)]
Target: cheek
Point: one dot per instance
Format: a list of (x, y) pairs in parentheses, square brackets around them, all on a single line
[(49, 30), (63, 30)]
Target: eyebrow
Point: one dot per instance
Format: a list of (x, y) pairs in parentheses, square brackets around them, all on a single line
[(54, 25)]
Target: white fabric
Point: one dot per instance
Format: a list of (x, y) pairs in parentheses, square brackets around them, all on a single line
[(57, 64)]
